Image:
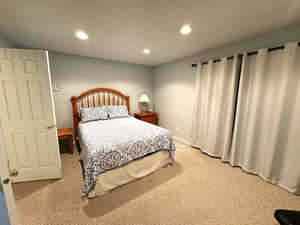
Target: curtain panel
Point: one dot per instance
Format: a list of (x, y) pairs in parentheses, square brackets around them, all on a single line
[(266, 138), (214, 106), (261, 131)]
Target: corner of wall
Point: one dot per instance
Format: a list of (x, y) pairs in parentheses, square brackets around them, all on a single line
[(4, 42)]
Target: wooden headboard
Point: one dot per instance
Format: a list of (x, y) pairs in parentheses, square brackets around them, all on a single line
[(96, 97)]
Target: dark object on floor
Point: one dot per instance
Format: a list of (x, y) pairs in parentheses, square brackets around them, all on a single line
[(287, 217)]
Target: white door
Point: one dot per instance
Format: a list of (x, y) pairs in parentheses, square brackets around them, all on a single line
[(27, 117)]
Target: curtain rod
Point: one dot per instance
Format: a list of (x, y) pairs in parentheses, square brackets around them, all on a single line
[(250, 53)]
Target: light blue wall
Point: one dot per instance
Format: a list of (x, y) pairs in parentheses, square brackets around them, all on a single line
[(77, 74), (4, 220)]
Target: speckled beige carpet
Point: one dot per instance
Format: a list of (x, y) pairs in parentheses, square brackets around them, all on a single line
[(198, 189)]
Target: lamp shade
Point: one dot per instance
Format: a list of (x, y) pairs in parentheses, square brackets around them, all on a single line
[(144, 98)]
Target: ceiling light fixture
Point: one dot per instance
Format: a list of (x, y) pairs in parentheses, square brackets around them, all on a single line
[(146, 51), (82, 35), (186, 29)]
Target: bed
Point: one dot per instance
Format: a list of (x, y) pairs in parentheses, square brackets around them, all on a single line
[(119, 150)]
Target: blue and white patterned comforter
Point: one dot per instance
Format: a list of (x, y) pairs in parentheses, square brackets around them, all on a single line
[(107, 144)]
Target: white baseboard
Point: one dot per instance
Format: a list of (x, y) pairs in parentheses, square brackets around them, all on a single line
[(182, 140)]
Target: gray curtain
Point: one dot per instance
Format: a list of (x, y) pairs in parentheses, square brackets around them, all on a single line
[(266, 138), (214, 105)]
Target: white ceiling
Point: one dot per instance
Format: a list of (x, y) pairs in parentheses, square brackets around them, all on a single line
[(119, 30)]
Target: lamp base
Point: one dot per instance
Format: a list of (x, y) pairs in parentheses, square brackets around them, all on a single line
[(143, 107)]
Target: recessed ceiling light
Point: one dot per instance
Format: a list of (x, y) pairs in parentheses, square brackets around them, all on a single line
[(186, 29), (146, 51), (82, 35)]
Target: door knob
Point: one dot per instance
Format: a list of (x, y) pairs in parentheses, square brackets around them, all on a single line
[(6, 181), (51, 126), (13, 173)]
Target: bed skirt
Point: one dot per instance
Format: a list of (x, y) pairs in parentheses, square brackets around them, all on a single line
[(136, 169)]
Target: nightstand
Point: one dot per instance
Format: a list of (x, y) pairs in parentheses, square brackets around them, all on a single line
[(66, 134), (150, 117)]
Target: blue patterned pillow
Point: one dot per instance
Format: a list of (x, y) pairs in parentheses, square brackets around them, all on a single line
[(117, 111), (91, 114)]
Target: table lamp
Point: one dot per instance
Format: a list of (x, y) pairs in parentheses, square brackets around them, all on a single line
[(143, 102)]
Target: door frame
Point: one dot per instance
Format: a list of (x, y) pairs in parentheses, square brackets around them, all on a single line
[(7, 188)]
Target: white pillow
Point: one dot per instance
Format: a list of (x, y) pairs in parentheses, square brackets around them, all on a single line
[(96, 113), (117, 111)]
